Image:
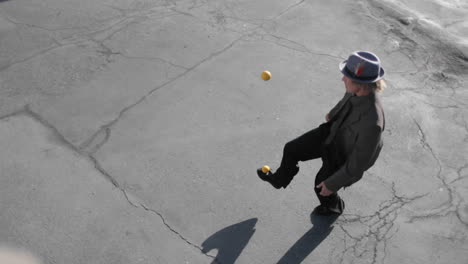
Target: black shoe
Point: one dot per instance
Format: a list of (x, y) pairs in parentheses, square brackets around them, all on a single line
[(326, 211), (268, 177)]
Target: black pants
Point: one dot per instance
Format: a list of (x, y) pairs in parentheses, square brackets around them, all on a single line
[(307, 147)]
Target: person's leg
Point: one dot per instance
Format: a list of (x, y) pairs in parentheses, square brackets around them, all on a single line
[(328, 201), (303, 148)]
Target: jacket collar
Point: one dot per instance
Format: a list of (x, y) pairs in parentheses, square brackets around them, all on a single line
[(362, 103)]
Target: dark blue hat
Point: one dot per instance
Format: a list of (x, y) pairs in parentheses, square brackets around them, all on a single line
[(362, 67)]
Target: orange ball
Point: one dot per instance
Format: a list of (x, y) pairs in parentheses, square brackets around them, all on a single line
[(265, 169), (266, 75)]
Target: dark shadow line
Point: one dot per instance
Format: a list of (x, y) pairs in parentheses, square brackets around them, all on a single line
[(322, 227)]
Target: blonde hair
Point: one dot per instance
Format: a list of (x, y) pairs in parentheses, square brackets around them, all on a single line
[(377, 86)]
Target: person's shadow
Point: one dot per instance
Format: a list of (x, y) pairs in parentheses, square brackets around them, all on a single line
[(322, 227), (230, 241)]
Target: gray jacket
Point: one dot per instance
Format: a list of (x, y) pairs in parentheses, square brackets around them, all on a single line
[(357, 139)]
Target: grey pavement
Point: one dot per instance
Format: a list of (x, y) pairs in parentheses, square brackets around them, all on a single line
[(130, 132)]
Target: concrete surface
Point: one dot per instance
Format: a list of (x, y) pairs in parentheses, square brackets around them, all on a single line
[(130, 132)]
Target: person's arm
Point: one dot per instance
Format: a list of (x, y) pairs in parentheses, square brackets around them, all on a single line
[(367, 143)]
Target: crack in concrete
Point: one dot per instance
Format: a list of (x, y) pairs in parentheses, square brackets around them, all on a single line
[(119, 27), (126, 12), (465, 124), (95, 142), (224, 26), (385, 242), (459, 171), (12, 114), (427, 146), (293, 45), (457, 214), (262, 21), (80, 37), (345, 245), (39, 53), (452, 57), (279, 40), (98, 167), (408, 46), (146, 208), (40, 27), (170, 10), (379, 225), (141, 205), (289, 8), (110, 124), (253, 22), (410, 31), (153, 58), (236, 16), (106, 51), (272, 20), (448, 207), (442, 106), (57, 44), (187, 14), (440, 213), (125, 19), (62, 141)]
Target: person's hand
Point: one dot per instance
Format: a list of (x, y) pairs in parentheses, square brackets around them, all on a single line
[(327, 117), (325, 191)]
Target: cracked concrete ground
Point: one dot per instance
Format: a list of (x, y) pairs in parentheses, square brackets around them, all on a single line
[(130, 132)]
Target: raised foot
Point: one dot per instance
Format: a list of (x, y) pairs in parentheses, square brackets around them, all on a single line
[(268, 177)]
